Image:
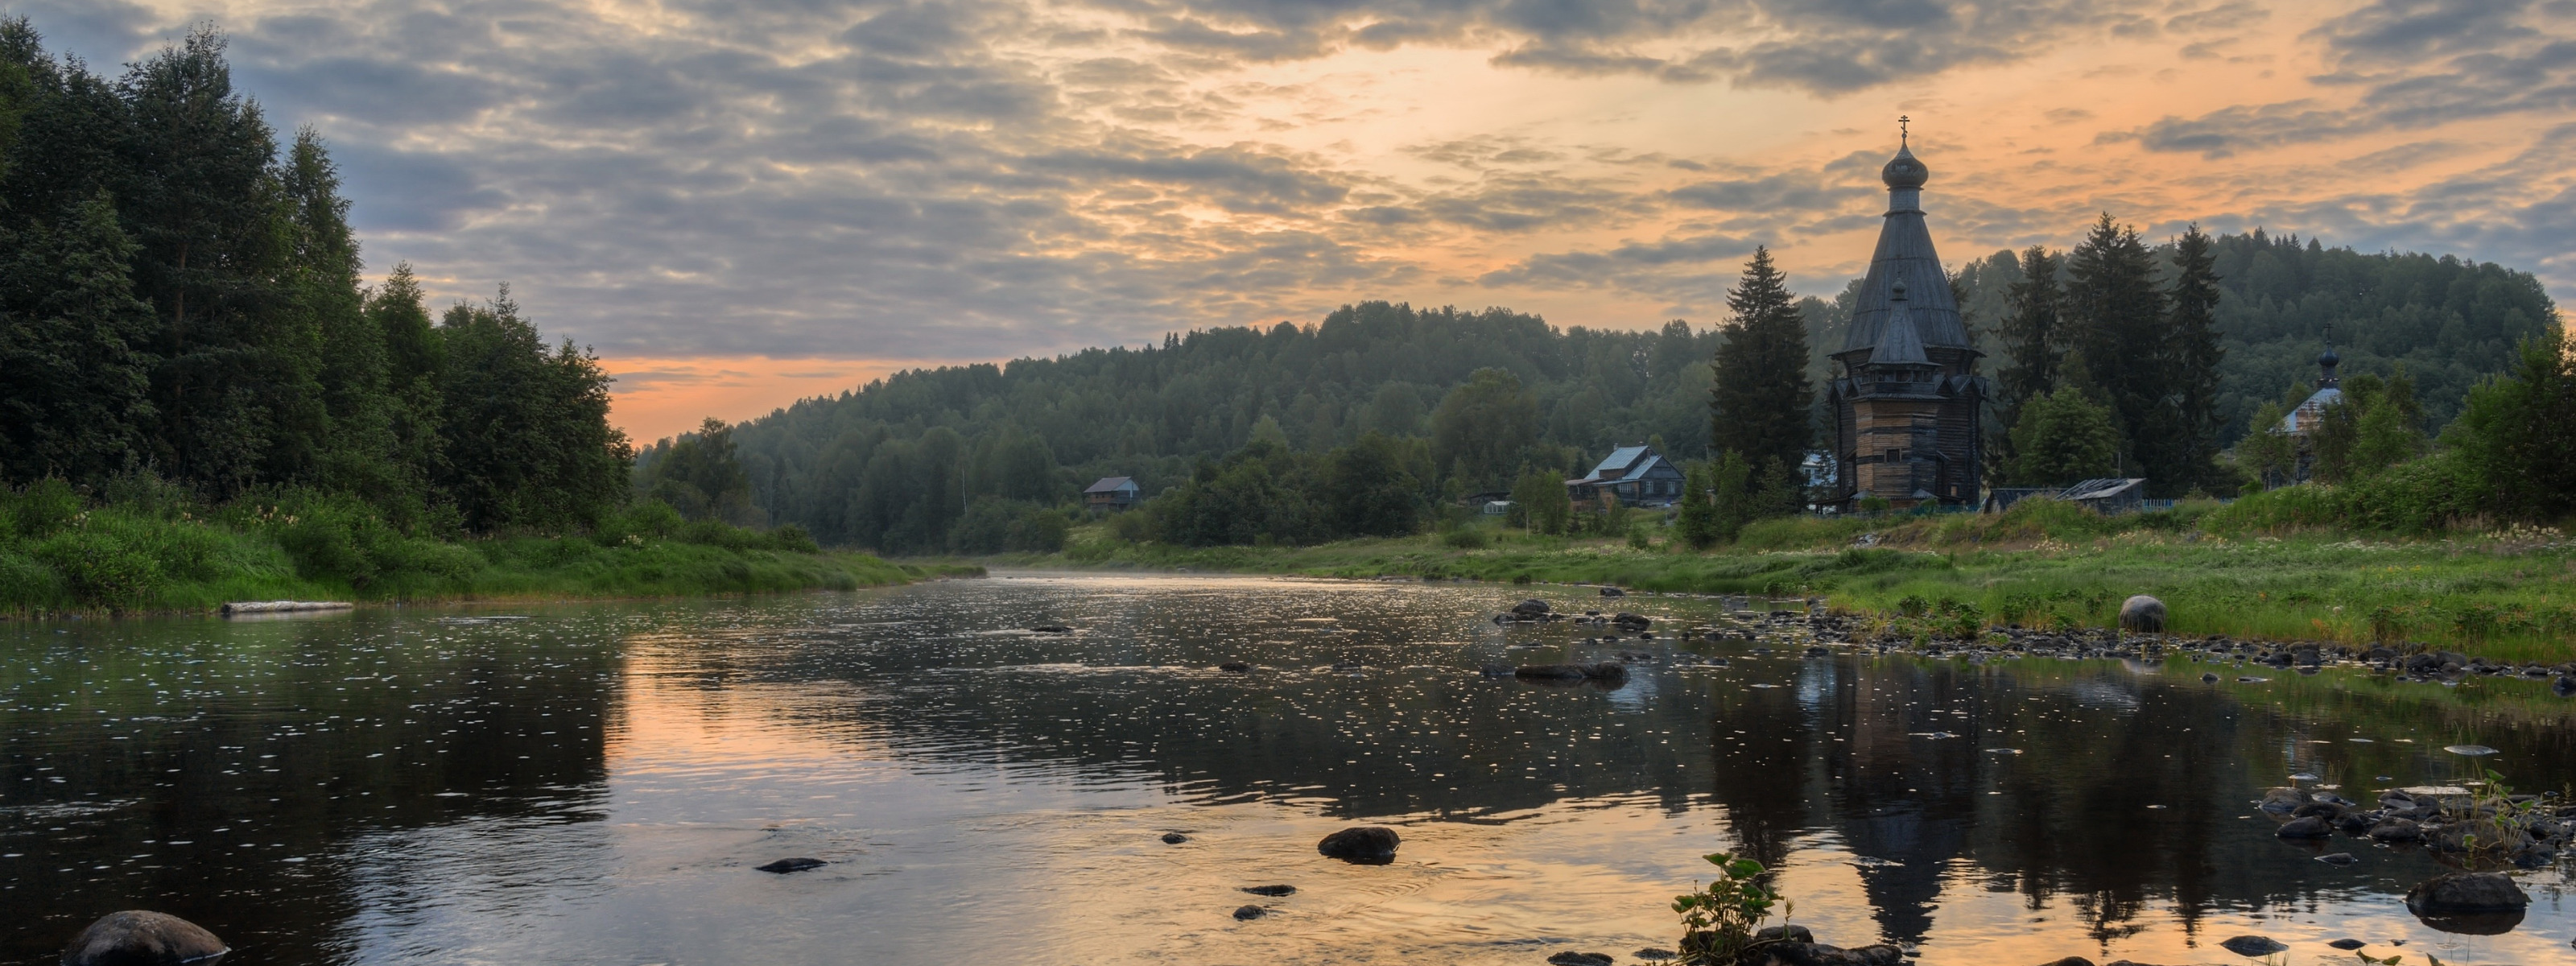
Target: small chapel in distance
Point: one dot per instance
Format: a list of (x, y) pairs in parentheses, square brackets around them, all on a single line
[(1907, 401)]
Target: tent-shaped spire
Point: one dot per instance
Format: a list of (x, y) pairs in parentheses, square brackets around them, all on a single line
[(1900, 342), (1905, 254)]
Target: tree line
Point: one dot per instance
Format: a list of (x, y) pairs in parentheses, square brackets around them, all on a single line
[(2114, 355), (182, 300)]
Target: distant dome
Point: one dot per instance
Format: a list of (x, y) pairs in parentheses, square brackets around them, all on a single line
[(2328, 358), (1903, 171)]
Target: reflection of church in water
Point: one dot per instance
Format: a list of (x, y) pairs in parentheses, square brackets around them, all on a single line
[(1907, 398)]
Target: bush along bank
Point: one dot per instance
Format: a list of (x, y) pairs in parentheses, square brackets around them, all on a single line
[(149, 548)]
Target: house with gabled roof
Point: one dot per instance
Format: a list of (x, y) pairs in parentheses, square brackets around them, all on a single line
[(1630, 476), (1111, 493)]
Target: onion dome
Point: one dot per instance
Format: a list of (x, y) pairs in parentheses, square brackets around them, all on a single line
[(1903, 171)]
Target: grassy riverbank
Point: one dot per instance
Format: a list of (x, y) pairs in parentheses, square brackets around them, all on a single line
[(62, 554), (2509, 594)]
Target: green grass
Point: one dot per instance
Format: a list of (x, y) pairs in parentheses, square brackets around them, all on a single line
[(2509, 595), (62, 555)]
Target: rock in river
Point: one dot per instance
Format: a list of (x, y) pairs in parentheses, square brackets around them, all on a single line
[(1531, 609), (1242, 913), (139, 938), (784, 866), (2466, 892), (1571, 958), (2339, 858), (2311, 827), (1368, 844), (1273, 891), (1174, 838), (1819, 954), (2253, 946), (2143, 614)]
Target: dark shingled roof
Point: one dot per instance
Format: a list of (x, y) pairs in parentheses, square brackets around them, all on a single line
[(1905, 254), (1902, 340)]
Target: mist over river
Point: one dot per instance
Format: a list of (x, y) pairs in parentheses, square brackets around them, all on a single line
[(595, 783)]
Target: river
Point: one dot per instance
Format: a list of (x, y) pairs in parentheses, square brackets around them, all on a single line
[(595, 783)]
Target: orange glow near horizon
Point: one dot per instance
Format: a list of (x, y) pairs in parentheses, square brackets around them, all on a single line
[(659, 398)]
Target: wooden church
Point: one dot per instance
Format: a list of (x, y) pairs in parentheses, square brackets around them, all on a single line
[(1906, 399)]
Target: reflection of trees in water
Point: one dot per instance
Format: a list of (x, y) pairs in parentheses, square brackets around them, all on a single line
[(2069, 816), (1842, 747), (355, 711)]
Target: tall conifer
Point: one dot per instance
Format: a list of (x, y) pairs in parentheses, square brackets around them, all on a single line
[(2115, 315), (2034, 342), (2192, 356), (1759, 399)]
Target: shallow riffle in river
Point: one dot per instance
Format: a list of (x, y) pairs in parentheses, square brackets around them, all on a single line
[(596, 783)]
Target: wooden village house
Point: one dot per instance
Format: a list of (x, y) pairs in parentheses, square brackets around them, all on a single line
[(1111, 493), (1629, 476)]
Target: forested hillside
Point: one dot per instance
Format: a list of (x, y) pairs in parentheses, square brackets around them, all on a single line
[(2448, 321), (898, 463)]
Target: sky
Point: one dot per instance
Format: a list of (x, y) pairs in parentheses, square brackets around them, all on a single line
[(739, 204)]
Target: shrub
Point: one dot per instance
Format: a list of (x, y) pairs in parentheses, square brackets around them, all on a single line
[(1466, 538), (42, 507), (100, 570)]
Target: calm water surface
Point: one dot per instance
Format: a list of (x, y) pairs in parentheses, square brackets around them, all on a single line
[(593, 784)]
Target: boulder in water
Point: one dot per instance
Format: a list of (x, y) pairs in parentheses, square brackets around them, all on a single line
[(784, 866), (2466, 892), (1273, 891), (2143, 614), (1174, 838), (2347, 945), (2338, 858), (2469, 903), (1244, 913), (1819, 954), (2311, 827), (140, 938), (1613, 592), (1235, 667), (1531, 609), (1052, 629), (1631, 622), (1367, 844), (2396, 830), (1571, 958), (2253, 946)]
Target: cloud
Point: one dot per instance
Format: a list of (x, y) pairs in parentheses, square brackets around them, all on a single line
[(2409, 65), (991, 178)]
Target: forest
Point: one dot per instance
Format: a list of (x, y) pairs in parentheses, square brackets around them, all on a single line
[(199, 397), (899, 463)]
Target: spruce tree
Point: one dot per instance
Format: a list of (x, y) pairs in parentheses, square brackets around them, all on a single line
[(2034, 343), (2115, 316), (234, 385), (1759, 396), (73, 385), (2192, 357)]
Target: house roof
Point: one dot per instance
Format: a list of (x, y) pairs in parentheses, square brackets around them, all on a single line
[(1111, 484), (2097, 489), (1615, 466), (2305, 417)]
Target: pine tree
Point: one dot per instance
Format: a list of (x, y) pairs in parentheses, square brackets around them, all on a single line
[(1760, 397), (2192, 358)]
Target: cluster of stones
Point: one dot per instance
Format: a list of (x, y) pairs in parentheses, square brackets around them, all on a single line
[(2527, 830)]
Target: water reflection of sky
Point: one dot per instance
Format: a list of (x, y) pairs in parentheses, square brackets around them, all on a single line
[(982, 790)]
